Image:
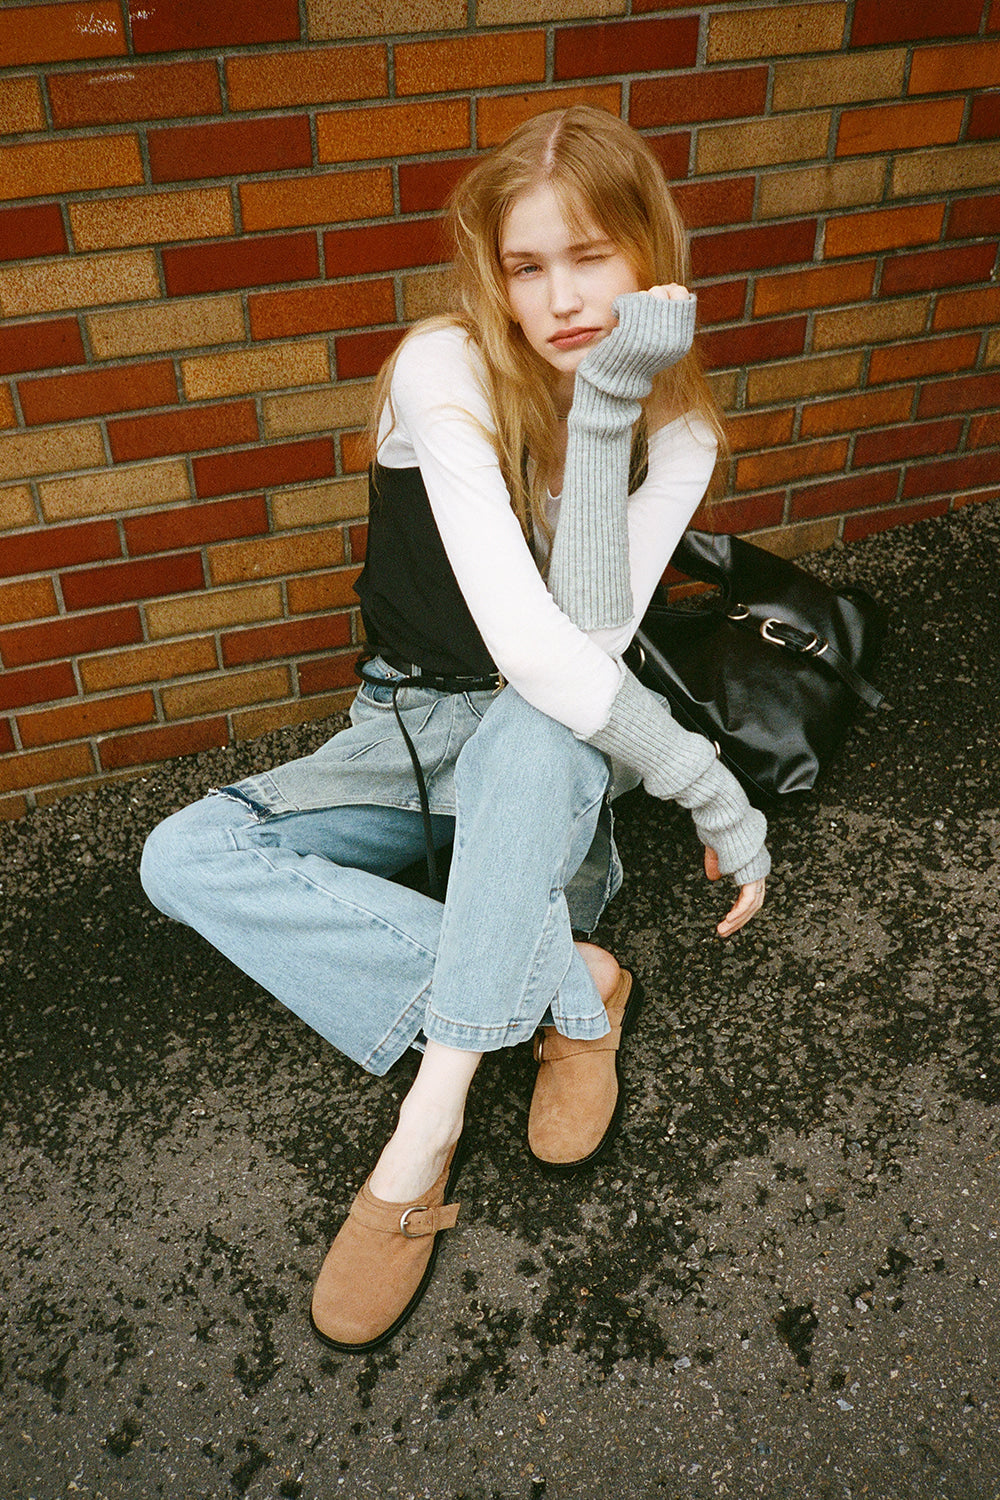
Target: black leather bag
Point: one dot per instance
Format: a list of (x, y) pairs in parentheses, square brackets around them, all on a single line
[(772, 667)]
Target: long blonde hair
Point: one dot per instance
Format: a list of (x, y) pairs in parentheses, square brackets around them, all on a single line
[(603, 172)]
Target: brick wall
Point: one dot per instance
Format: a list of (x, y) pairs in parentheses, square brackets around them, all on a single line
[(217, 217)]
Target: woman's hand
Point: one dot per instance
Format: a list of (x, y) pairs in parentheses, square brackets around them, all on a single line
[(748, 904), (672, 292)]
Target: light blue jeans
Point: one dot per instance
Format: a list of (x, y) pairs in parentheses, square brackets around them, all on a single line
[(293, 883)]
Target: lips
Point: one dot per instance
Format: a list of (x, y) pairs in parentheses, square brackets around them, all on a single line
[(573, 338)]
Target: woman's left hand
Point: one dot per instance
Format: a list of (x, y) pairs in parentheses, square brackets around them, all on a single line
[(672, 292), (748, 904)]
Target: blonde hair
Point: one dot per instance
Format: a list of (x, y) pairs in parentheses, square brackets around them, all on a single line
[(602, 171)]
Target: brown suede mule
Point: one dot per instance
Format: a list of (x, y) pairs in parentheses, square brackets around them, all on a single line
[(379, 1266), (577, 1103)]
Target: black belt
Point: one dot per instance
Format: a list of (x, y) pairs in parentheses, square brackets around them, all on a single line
[(439, 682)]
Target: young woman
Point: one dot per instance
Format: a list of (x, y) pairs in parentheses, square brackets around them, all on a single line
[(537, 456)]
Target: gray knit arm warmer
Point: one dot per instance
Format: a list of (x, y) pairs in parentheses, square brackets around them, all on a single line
[(676, 764), (589, 574)]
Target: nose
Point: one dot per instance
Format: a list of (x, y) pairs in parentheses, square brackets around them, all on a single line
[(564, 293)]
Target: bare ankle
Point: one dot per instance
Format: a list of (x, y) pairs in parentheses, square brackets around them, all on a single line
[(604, 968)]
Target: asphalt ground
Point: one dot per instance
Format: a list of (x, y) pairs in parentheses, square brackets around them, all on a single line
[(783, 1282)]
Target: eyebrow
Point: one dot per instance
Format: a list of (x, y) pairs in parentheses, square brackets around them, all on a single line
[(587, 244)]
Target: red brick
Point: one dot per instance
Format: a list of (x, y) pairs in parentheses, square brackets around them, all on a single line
[(41, 346), (747, 513), (194, 525), (71, 636), (826, 286), (321, 676), (876, 21), (41, 767), (779, 465), (389, 247), (993, 23), (856, 527), (984, 120), (885, 229), (61, 33), (36, 685), (900, 127), (187, 152), (359, 304), (720, 94), (721, 302), (32, 598), (980, 308), (754, 342), (360, 354), (426, 186), (81, 720), (257, 468), (359, 541), (59, 398), (948, 70), (984, 432), (189, 430), (847, 413), (149, 746), (246, 262), (156, 91), (705, 204), (617, 46), (118, 583), (966, 393), (853, 493), (26, 233), (972, 217), (972, 471), (470, 62), (933, 268), (755, 430), (673, 152), (48, 169), (915, 440), (6, 746), (923, 357), (52, 547), (191, 24), (293, 638), (497, 115), (748, 249)]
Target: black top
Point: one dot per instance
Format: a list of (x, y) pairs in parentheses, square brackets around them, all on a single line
[(411, 604)]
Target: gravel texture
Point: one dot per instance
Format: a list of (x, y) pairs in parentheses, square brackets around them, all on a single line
[(783, 1282)]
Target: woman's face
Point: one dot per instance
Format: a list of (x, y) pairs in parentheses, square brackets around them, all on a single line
[(561, 280)]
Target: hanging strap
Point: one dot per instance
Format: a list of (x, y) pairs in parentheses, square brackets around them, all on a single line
[(808, 643)]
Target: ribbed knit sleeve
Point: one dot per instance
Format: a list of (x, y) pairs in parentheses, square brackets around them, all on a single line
[(589, 570)]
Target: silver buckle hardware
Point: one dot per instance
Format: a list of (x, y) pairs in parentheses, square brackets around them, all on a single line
[(738, 612), (418, 1208), (780, 634)]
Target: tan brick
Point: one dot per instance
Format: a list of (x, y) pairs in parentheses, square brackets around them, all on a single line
[(848, 413), (993, 349), (392, 130), (847, 79), (322, 591), (272, 368), (345, 404), (872, 323), (816, 190), (234, 562), (793, 541), (185, 325), (126, 668), (272, 80), (49, 168), (152, 218), (725, 388), (507, 12), (30, 599), (39, 767), (937, 172), (77, 721), (215, 609), (320, 198), (136, 487), (778, 466), (376, 18), (760, 143), (775, 31), (425, 293), (319, 504), (470, 62), (54, 450), (497, 115), (83, 281), (17, 508), (253, 722), (8, 416), (12, 807), (795, 379), (211, 695), (21, 106)]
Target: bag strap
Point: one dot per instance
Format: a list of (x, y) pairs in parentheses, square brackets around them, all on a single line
[(779, 633)]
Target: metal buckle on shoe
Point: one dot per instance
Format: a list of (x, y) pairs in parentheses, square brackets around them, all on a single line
[(418, 1208)]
